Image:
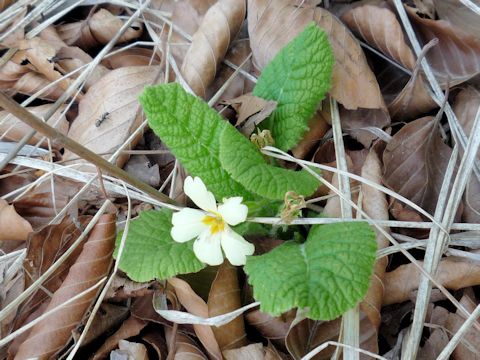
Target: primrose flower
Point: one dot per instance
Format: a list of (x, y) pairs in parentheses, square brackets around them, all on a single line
[(210, 227)]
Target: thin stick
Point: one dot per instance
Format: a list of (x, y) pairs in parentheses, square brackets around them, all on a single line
[(45, 129)]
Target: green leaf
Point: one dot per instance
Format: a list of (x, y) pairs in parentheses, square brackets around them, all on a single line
[(297, 79), (192, 131), (151, 253), (260, 207), (328, 274), (246, 164)]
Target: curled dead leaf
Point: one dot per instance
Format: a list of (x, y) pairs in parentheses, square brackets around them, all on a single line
[(135, 56), (52, 333), (12, 225), (353, 83), (97, 29), (210, 43), (31, 83)]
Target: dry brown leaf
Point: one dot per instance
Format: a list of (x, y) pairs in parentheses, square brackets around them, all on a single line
[(5, 3), (156, 340), (13, 23), (185, 348), (196, 306), (274, 329), (374, 203), (467, 103), (210, 43), (187, 15), (135, 56), (249, 352), (130, 327), (456, 58), (10, 72), (44, 247), (353, 85), (469, 347), (141, 167), (318, 126), (237, 54), (453, 273), (71, 58), (97, 29), (13, 129), (358, 123), (110, 112), (12, 225), (459, 15), (39, 55), (53, 333), (31, 82), (415, 161), (224, 297), (379, 27)]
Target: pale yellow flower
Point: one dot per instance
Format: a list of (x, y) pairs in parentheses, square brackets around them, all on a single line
[(211, 227)]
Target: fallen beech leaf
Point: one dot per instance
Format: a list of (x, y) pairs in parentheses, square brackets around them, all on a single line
[(415, 161), (187, 15), (251, 111), (318, 126), (53, 332), (18, 33), (13, 129), (357, 123), (375, 205), (466, 105), (469, 347), (141, 167), (44, 247), (98, 29), (453, 273), (380, 28), (239, 85), (458, 15), (224, 297), (210, 43), (112, 104), (39, 54), (5, 4), (184, 347), (274, 329), (32, 82), (134, 351), (157, 341), (41, 205), (456, 58), (353, 83), (130, 327), (196, 306), (136, 56), (107, 318), (249, 352), (10, 72), (12, 225), (71, 58)]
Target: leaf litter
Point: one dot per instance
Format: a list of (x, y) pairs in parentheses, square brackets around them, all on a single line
[(390, 136)]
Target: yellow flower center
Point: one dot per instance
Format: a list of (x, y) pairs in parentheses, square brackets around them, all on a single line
[(215, 222)]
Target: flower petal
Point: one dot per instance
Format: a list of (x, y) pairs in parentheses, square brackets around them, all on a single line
[(187, 224), (233, 211), (207, 248), (236, 248), (196, 190)]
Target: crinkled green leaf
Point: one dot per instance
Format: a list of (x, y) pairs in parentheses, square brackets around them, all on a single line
[(191, 130), (297, 78), (258, 208), (151, 253), (246, 164), (327, 275)]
